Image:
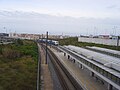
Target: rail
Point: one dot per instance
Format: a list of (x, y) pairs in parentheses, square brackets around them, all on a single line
[(66, 79)]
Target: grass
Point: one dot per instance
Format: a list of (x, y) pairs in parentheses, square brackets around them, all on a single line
[(18, 65), (74, 41)]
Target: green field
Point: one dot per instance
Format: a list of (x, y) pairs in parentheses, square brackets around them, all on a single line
[(18, 65), (74, 41)]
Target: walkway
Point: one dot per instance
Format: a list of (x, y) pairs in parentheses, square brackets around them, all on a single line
[(46, 80)]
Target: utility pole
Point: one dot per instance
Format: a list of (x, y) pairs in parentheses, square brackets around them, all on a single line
[(42, 37), (46, 46)]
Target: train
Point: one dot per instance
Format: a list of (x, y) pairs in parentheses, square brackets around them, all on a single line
[(50, 42)]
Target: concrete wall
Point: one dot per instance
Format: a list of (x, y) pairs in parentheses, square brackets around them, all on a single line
[(112, 42)]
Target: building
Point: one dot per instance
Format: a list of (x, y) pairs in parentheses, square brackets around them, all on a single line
[(25, 36), (5, 39), (105, 40), (4, 35)]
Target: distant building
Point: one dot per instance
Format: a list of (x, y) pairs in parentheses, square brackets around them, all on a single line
[(104, 36), (36, 36), (105, 40), (4, 35), (55, 37), (114, 37), (25, 36), (5, 39)]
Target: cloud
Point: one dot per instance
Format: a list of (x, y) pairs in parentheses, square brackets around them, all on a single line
[(112, 6), (31, 22)]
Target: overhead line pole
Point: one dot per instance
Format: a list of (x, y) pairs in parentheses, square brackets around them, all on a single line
[(46, 46), (42, 37), (118, 38)]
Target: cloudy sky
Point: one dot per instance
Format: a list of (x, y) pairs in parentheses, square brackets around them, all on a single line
[(60, 16)]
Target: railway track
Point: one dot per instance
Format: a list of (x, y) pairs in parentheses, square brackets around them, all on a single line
[(66, 79)]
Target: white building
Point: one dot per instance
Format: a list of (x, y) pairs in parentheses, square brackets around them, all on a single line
[(112, 42)]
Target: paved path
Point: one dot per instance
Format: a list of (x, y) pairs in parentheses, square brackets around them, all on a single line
[(46, 80)]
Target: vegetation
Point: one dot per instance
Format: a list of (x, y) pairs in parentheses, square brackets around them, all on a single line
[(18, 65), (74, 41)]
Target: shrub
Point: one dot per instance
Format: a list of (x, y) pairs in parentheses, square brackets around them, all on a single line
[(0, 50), (10, 53)]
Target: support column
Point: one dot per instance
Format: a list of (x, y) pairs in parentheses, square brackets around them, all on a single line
[(92, 74), (74, 60), (110, 87), (79, 65), (64, 54), (82, 66), (96, 78), (68, 57)]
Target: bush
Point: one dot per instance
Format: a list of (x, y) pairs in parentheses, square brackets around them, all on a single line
[(19, 42), (20, 72), (10, 53), (0, 50)]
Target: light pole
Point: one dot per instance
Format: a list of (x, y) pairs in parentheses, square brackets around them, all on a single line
[(5, 29)]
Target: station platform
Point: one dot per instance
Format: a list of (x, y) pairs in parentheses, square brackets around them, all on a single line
[(81, 75)]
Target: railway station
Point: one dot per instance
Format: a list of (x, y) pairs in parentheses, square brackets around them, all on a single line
[(80, 75), (104, 68), (59, 44)]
